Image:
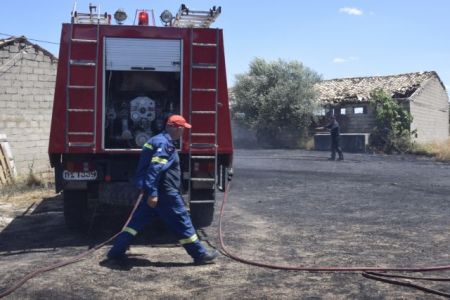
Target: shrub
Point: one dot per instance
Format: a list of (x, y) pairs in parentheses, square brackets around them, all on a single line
[(392, 132)]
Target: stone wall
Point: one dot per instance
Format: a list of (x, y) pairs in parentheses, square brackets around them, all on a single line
[(27, 81)]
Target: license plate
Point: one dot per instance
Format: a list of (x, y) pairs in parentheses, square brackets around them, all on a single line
[(89, 175)]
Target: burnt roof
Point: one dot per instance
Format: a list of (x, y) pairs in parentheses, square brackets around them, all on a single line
[(23, 39), (358, 89)]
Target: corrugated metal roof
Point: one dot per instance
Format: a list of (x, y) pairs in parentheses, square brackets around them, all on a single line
[(23, 39), (357, 89)]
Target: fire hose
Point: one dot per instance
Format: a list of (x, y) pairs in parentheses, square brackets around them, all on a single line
[(74, 259), (367, 272)]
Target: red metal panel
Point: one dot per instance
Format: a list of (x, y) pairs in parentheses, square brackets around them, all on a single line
[(82, 75), (204, 140), (81, 149), (57, 130), (84, 31), (81, 98), (73, 138), (224, 121), (81, 122), (204, 54), (202, 123), (203, 78), (205, 35), (83, 51), (204, 101)]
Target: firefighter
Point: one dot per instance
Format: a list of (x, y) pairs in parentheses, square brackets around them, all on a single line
[(158, 177), (333, 126)]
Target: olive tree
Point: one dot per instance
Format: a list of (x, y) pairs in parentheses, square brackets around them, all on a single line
[(276, 99)]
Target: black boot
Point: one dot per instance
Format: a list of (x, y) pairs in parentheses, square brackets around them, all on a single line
[(207, 258)]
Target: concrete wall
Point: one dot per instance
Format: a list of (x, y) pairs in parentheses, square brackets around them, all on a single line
[(429, 108), (27, 82)]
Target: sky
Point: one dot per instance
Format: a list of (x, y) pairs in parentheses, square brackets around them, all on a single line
[(335, 38)]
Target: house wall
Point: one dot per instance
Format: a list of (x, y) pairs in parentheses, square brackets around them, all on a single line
[(356, 123), (429, 108), (27, 82)]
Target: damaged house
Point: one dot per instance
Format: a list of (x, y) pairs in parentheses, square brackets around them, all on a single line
[(27, 82), (422, 93)]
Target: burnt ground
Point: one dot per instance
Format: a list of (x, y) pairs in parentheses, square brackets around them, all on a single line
[(285, 207)]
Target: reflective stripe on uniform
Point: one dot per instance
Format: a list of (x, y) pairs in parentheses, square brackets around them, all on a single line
[(130, 230), (159, 160), (189, 240), (149, 146)]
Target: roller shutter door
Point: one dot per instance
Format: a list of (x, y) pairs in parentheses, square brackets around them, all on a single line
[(124, 54)]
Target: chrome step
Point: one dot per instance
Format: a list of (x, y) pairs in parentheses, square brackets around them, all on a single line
[(84, 41), (203, 90), (205, 44), (203, 134), (204, 112), (80, 110), (80, 87), (202, 201), (203, 157), (204, 66), (80, 133), (80, 62), (202, 146), (81, 144), (204, 179)]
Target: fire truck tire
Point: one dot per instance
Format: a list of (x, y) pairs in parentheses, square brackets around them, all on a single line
[(202, 214), (75, 209)]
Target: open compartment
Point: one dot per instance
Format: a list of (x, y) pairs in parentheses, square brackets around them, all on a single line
[(142, 88)]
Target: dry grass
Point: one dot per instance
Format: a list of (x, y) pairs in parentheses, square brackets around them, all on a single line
[(25, 197), (306, 143), (439, 150), (26, 190)]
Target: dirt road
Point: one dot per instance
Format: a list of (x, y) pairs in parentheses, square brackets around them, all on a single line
[(285, 207)]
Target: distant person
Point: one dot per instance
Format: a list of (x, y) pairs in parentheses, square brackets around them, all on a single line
[(333, 126), (158, 176)]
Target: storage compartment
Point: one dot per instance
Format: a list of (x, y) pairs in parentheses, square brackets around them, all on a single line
[(142, 88), (137, 104)]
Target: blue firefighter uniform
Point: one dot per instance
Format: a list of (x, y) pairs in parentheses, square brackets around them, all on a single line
[(158, 174)]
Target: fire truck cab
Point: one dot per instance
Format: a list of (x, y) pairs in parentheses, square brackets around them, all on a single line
[(115, 87)]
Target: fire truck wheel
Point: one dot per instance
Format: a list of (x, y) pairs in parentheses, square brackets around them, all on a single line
[(202, 214), (75, 209)]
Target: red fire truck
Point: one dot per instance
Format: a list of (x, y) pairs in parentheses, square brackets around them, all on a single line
[(116, 85)]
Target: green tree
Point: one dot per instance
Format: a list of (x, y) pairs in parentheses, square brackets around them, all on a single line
[(276, 99), (392, 132)]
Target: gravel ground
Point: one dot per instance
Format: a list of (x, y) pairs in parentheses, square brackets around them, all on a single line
[(285, 207)]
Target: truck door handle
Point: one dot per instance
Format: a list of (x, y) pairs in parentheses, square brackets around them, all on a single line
[(143, 68)]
